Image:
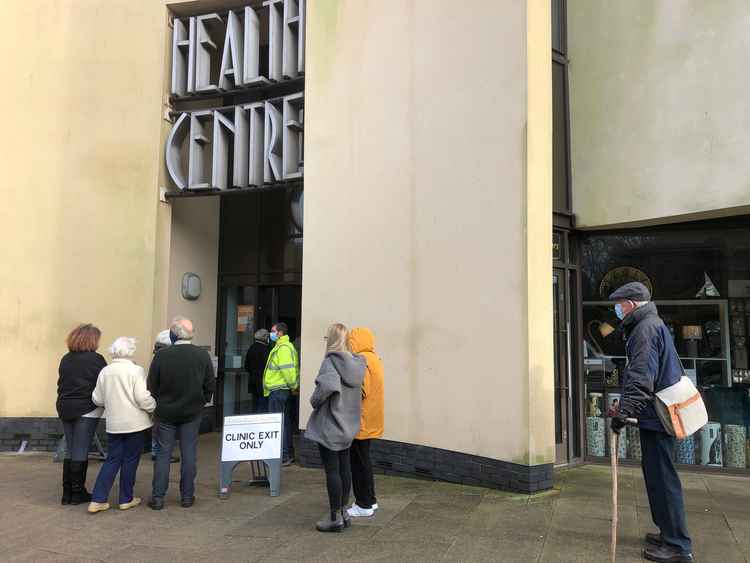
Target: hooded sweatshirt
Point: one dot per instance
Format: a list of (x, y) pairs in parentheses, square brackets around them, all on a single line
[(362, 342), (336, 401)]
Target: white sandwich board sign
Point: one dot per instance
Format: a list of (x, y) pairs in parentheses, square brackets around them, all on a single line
[(254, 438)]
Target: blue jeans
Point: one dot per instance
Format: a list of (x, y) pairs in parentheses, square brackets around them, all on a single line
[(167, 435), (123, 455), (78, 435), (664, 488), (279, 401)]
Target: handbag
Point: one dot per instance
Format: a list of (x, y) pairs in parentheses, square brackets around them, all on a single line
[(681, 409)]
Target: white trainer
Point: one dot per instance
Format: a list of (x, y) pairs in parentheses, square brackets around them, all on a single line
[(375, 506), (357, 511)]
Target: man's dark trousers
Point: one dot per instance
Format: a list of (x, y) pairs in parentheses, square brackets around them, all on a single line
[(279, 401), (167, 435), (664, 488)]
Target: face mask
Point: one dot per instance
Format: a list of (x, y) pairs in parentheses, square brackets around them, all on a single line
[(619, 312), (173, 337), (274, 336)]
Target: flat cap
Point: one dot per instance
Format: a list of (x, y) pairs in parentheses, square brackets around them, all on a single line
[(633, 291)]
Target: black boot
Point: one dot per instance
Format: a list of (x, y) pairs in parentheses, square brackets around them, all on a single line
[(67, 492), (331, 523), (79, 494)]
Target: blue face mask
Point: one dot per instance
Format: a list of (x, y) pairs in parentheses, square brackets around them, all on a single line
[(619, 312), (274, 336)]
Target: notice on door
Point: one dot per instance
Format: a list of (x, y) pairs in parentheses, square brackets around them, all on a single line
[(251, 437), (245, 316)]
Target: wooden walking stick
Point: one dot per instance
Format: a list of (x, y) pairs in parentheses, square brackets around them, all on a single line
[(614, 442), (614, 449)]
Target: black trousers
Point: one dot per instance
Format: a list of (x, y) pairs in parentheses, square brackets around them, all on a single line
[(664, 488), (338, 476), (362, 478)]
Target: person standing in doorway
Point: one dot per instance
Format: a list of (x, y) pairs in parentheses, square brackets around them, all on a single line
[(181, 379), (336, 403), (163, 340), (78, 373), (255, 363), (652, 365), (280, 378), (121, 390), (362, 342)]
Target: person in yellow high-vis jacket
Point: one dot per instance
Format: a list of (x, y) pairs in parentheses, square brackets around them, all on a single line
[(280, 379)]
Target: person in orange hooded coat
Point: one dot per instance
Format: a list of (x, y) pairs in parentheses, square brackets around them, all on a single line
[(362, 342)]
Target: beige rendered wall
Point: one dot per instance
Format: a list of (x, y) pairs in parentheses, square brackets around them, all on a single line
[(82, 100), (194, 247), (659, 116), (416, 215)]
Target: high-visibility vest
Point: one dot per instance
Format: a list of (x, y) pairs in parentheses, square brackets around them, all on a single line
[(282, 368)]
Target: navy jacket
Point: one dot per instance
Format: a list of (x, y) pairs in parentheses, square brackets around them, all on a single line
[(652, 365)]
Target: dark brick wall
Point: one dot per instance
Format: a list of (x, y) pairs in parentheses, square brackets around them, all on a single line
[(44, 433), (409, 460)]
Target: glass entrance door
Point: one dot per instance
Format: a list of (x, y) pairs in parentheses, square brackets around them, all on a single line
[(562, 366), (244, 310)]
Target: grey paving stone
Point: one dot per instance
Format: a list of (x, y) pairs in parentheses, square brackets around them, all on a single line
[(419, 520)]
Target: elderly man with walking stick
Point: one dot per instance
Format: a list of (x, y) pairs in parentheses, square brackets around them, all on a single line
[(652, 365)]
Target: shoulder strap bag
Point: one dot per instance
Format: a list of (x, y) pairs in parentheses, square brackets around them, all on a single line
[(681, 409)]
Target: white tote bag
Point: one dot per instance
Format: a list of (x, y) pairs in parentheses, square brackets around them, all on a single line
[(681, 409)]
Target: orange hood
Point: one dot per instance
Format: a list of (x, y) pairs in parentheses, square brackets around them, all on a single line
[(362, 340)]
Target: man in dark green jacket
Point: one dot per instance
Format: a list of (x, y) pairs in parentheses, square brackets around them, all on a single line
[(181, 379)]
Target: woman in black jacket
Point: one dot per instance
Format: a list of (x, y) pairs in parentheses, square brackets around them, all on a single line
[(79, 370)]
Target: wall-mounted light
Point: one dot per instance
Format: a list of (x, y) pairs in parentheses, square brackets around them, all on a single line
[(191, 286)]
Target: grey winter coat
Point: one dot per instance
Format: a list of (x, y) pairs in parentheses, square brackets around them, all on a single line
[(337, 401)]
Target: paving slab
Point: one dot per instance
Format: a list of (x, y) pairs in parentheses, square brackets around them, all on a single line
[(418, 520)]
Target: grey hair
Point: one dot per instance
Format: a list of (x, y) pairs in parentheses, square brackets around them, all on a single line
[(183, 328), (123, 347)]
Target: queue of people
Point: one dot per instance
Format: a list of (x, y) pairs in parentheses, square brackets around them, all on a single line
[(180, 381), (348, 412)]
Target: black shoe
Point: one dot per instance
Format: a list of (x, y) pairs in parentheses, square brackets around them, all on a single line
[(654, 539), (666, 554), (67, 490), (78, 492), (156, 503), (287, 462), (333, 522), (346, 518), (187, 502)]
